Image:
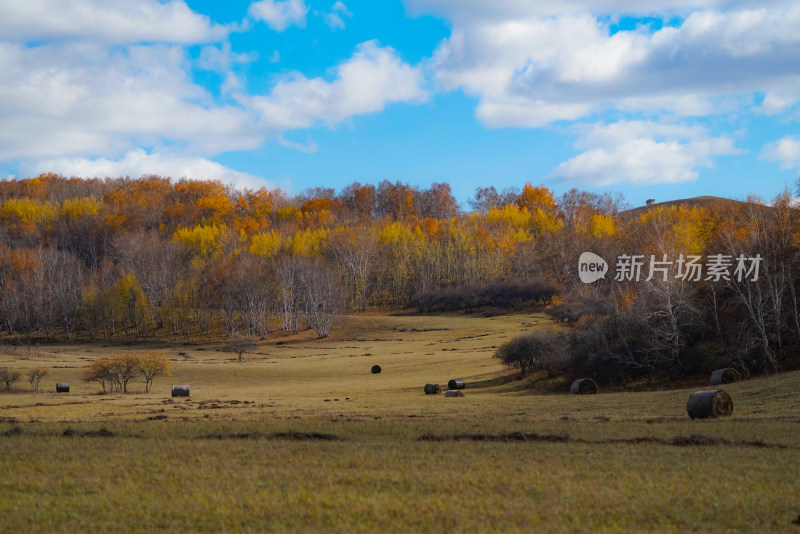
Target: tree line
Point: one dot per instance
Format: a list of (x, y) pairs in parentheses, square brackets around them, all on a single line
[(153, 257), (137, 258)]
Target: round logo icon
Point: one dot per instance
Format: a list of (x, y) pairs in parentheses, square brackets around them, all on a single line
[(591, 267)]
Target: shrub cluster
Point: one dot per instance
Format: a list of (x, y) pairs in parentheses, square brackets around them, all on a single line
[(506, 294), (611, 344), (536, 350), (572, 310)]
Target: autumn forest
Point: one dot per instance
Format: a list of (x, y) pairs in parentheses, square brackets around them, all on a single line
[(154, 258)]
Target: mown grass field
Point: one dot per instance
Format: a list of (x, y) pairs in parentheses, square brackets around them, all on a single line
[(301, 437)]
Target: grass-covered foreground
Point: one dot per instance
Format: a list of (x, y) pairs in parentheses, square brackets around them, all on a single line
[(302, 437)]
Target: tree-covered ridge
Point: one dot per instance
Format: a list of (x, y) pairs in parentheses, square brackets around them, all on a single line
[(153, 257)]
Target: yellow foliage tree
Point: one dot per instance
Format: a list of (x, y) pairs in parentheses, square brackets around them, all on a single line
[(678, 229), (533, 197), (266, 244), (308, 242), (216, 208), (517, 217), (603, 226), (546, 222), (128, 302), (153, 364), (288, 213), (204, 239), (27, 210), (75, 208)]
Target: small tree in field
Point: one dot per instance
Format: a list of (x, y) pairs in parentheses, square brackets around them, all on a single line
[(115, 372), (35, 375), (239, 345), (153, 364), (8, 377), (124, 368), (100, 371)]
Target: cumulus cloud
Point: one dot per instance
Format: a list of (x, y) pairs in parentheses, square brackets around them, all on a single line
[(87, 99), (97, 105), (278, 14), (460, 10), (374, 77), (641, 153), (533, 63), (786, 151), (107, 21), (137, 163)]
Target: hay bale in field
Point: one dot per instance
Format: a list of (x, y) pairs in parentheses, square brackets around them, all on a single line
[(583, 386), (432, 389), (376, 369), (709, 404), (180, 391), (454, 393), (725, 376), (456, 383), (62, 387)]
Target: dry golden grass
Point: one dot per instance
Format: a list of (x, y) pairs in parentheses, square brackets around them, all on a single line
[(247, 451)]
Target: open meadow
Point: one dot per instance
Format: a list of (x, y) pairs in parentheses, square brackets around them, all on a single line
[(302, 437)]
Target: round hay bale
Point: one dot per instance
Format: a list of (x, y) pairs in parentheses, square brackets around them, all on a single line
[(456, 383), (432, 389), (376, 369), (62, 387), (454, 393), (583, 386), (180, 391), (709, 404), (725, 376)]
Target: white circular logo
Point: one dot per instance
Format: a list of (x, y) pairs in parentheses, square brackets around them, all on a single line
[(591, 267)]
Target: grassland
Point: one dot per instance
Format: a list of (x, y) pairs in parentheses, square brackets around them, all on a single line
[(301, 437)]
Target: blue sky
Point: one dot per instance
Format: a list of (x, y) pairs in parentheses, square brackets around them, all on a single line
[(656, 99)]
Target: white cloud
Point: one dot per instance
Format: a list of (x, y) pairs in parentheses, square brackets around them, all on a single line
[(221, 58), (785, 151), (374, 77), (641, 153), (105, 95), (460, 10), (777, 101), (83, 108), (107, 21), (533, 63), (83, 99), (334, 19), (341, 8), (98, 105), (278, 14), (137, 163), (310, 147)]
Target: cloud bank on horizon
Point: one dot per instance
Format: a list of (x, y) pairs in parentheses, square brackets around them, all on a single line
[(644, 95)]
